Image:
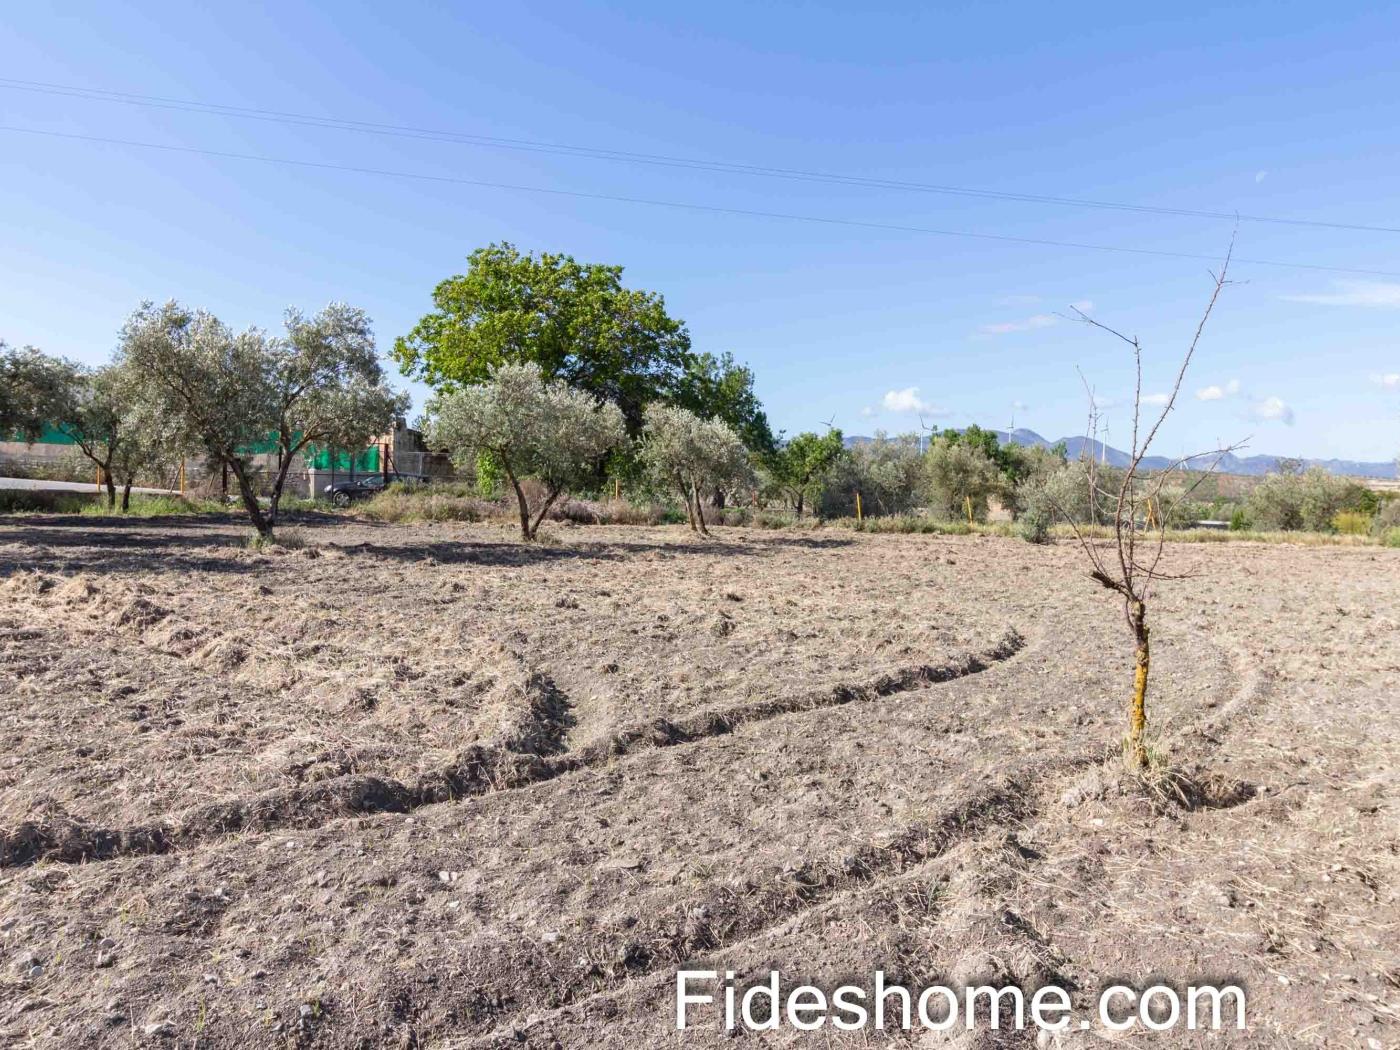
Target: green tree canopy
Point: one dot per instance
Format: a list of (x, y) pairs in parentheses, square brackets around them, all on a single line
[(798, 465), (574, 320), (717, 387)]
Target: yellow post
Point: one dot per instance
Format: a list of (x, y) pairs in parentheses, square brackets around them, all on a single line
[(182, 478), (859, 517), (617, 489), (967, 506)]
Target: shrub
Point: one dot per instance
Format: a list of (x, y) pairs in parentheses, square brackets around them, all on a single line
[(1351, 523), (1387, 517), (429, 503), (1239, 521), (1034, 524), (1391, 538)]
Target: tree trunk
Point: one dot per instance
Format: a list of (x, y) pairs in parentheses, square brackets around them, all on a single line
[(797, 504), (719, 499), (111, 484), (1137, 721), (276, 499), (284, 464), (699, 510), (250, 502), (544, 509), (525, 532), (126, 497), (689, 507)]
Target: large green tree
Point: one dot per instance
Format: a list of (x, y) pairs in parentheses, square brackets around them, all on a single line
[(574, 320)]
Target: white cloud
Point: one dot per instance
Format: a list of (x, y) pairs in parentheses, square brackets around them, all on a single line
[(1218, 393), (1020, 406), (1084, 306), (1382, 294), (1028, 325), (1272, 408), (1155, 399), (867, 411), (1390, 380), (907, 400), (1260, 176)]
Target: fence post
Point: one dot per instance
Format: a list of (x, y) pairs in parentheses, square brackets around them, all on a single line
[(859, 517)]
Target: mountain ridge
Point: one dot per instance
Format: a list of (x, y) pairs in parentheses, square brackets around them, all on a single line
[(1229, 462)]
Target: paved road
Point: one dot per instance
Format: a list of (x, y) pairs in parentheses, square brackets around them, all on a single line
[(45, 485)]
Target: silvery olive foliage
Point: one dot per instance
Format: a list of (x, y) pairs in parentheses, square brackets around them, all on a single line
[(532, 427), (227, 392), (33, 386), (113, 423), (693, 455)]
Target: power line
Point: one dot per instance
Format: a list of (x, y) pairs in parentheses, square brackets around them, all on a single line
[(683, 205), (625, 156)]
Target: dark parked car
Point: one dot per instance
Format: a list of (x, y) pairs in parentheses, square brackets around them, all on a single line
[(343, 493)]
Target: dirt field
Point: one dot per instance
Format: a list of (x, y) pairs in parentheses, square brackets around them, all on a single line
[(426, 787)]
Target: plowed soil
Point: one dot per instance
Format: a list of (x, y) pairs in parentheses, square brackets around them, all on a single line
[(425, 786)]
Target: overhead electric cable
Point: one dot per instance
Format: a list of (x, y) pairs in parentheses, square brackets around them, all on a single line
[(625, 156), (683, 205)]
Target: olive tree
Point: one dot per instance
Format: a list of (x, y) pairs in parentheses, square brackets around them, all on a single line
[(227, 392), (691, 454), (886, 471), (150, 444), (960, 475), (328, 388), (91, 407), (533, 427), (33, 387)]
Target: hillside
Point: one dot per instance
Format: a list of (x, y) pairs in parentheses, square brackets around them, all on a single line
[(1229, 464)]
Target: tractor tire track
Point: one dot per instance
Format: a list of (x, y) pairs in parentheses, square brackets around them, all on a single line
[(517, 758)]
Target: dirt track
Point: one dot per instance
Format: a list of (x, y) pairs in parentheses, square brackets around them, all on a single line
[(424, 786)]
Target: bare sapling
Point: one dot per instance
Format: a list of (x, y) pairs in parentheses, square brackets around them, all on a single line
[(1131, 564)]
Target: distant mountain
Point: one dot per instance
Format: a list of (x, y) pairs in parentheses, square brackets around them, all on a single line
[(1229, 464)]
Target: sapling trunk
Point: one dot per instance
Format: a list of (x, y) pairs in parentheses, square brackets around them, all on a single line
[(1137, 719)]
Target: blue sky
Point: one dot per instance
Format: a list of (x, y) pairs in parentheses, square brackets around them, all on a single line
[(1275, 109)]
